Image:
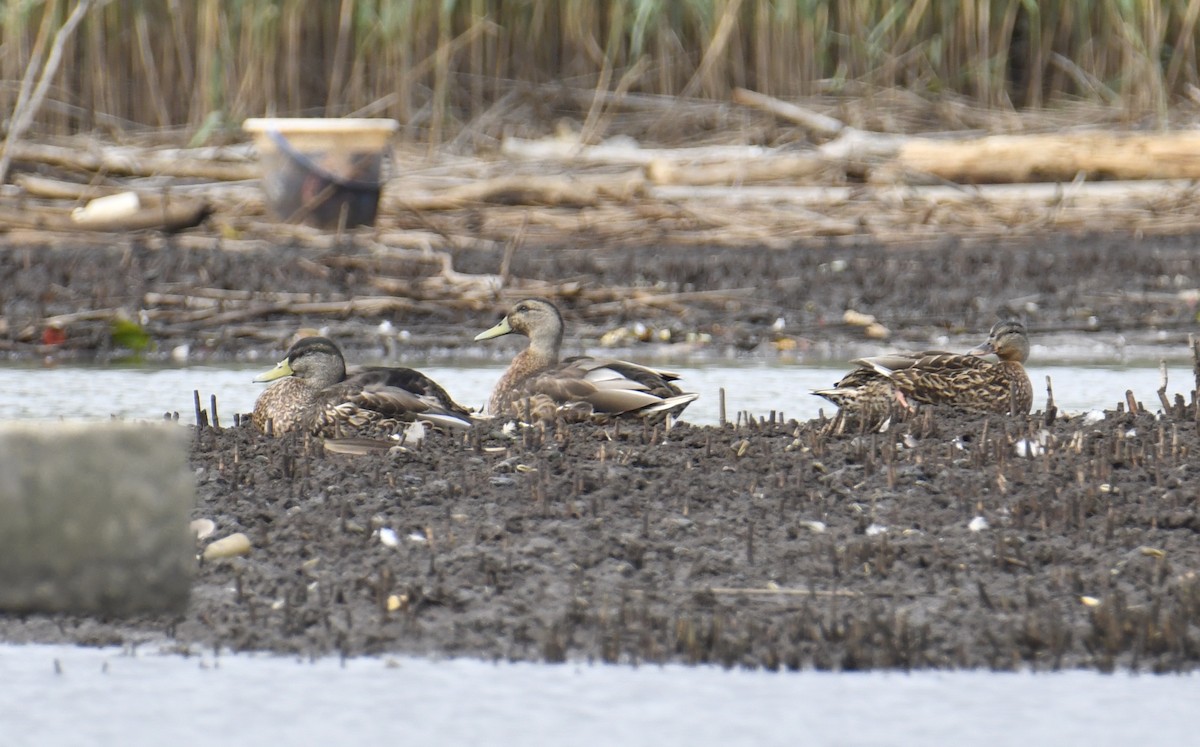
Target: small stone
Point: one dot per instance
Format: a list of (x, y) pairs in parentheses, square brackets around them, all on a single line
[(228, 547)]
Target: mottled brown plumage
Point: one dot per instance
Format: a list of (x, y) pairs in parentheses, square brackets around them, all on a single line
[(538, 386), (315, 395), (867, 397), (969, 382)]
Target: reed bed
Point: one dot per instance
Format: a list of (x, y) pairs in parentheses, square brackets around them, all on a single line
[(439, 65)]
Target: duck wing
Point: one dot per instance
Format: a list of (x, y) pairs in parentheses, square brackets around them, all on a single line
[(380, 399), (608, 387), (963, 381), (413, 382)]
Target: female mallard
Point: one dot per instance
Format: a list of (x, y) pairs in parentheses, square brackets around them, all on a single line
[(965, 382), (316, 396), (537, 386)]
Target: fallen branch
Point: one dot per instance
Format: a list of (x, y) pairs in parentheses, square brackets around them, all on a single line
[(581, 191), (817, 124), (123, 161), (1055, 158), (573, 151), (741, 172), (29, 102)]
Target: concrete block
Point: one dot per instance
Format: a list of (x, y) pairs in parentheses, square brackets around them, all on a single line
[(94, 518)]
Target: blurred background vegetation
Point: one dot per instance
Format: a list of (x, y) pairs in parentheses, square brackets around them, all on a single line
[(438, 64)]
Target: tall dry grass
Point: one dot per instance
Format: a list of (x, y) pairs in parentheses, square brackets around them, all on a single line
[(435, 64)]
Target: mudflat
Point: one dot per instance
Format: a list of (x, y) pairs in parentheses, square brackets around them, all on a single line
[(947, 541), (226, 305)]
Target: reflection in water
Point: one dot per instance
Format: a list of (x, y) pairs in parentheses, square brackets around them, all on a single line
[(145, 393)]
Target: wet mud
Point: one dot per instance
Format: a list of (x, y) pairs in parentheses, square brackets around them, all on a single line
[(1142, 289), (949, 541)]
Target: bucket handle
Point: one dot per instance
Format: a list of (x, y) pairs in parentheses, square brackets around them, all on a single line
[(304, 161)]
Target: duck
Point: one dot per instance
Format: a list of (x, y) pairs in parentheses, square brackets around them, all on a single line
[(539, 386), (881, 385), (313, 393)]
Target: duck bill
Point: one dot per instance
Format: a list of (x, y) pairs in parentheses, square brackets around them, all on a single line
[(986, 348), (500, 329), (282, 368)]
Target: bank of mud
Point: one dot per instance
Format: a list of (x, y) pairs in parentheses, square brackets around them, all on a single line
[(947, 542), (220, 305)]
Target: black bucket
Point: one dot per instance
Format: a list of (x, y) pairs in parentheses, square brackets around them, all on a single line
[(323, 173)]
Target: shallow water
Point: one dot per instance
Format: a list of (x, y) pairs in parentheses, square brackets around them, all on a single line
[(107, 696), (149, 392)]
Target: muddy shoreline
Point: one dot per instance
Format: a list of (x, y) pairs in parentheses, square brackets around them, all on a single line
[(222, 306), (947, 542)]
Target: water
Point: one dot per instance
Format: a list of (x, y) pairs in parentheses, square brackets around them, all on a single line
[(115, 697), (147, 393), (107, 696)]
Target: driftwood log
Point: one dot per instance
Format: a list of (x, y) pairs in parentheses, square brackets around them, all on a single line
[(137, 162), (1057, 157), (1060, 157), (846, 181)]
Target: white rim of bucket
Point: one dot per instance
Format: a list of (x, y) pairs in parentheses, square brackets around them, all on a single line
[(319, 124)]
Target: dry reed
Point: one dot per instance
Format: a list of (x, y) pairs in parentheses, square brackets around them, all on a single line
[(438, 65)]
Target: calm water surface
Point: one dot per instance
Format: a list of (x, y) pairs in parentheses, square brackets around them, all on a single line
[(147, 393), (100, 697)]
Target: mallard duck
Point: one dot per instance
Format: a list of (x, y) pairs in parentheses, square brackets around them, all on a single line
[(316, 395), (869, 397), (538, 386), (967, 381)]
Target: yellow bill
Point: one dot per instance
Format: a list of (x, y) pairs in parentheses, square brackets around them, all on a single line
[(282, 368), (500, 329)]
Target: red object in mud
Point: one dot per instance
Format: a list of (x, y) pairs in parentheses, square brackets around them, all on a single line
[(54, 336)]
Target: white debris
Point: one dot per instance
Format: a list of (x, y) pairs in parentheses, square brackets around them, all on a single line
[(203, 528), (414, 434), (1028, 447), (388, 537), (978, 524)]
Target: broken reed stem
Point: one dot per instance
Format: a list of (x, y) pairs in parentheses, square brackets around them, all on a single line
[(1194, 344), (1131, 402), (1162, 389), (201, 416), (1051, 408)]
